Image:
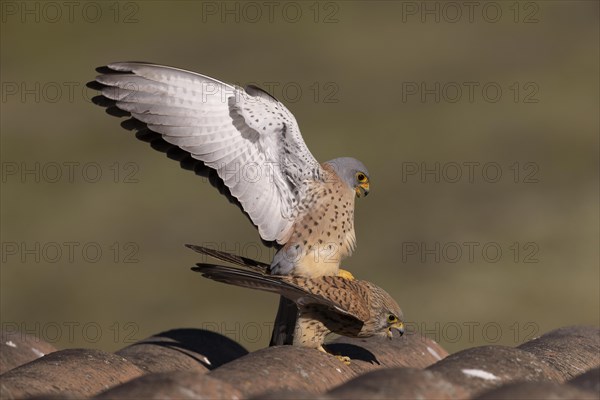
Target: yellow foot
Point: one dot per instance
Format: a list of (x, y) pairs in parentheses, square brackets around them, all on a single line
[(344, 359), (345, 274)]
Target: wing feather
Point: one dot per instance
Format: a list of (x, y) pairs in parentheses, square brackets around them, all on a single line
[(250, 139), (281, 284), (229, 257)]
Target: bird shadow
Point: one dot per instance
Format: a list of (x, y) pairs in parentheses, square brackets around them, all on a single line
[(353, 351), (199, 344)]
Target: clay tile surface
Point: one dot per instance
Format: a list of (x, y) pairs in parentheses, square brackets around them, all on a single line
[(315, 372), (18, 348), (486, 367), (537, 390), (284, 367), (198, 364), (570, 350), (409, 350), (173, 385), (76, 372), (588, 381), (290, 395), (399, 383), (183, 349)]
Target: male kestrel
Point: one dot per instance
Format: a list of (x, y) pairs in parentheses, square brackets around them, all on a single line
[(254, 144), (326, 304)]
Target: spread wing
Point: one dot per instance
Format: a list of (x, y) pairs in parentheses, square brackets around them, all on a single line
[(299, 290), (249, 138)]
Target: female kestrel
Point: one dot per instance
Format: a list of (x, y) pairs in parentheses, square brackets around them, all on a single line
[(254, 144), (326, 304)]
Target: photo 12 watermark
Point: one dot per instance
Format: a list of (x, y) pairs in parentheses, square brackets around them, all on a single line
[(490, 332), (71, 12), (470, 172), (69, 172), (470, 252), (294, 92), (53, 92), (73, 331), (488, 92), (453, 12), (250, 332), (252, 12), (49, 92), (321, 251), (69, 252)]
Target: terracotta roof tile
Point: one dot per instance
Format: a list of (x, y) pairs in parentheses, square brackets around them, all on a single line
[(570, 350), (410, 350), (290, 395), (173, 385), (537, 390), (588, 381), (284, 367), (314, 372), (183, 349), (18, 348), (193, 363), (486, 367), (399, 383), (77, 372)]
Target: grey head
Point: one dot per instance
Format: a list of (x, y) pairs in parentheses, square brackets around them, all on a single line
[(353, 173)]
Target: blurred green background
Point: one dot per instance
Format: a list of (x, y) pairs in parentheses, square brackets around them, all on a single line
[(94, 221)]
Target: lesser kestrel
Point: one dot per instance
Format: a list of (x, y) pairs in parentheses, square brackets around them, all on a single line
[(254, 144), (326, 304)]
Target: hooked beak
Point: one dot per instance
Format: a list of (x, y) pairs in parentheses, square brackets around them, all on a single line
[(398, 326), (362, 189)]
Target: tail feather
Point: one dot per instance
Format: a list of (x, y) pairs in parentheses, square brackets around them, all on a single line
[(251, 279), (231, 258), (285, 323)]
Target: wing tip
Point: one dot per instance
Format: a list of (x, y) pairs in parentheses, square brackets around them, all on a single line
[(199, 267), (126, 66)]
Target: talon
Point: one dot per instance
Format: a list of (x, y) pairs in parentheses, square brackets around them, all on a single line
[(345, 274), (344, 359)]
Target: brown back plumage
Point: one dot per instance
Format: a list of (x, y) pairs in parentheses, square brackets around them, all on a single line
[(358, 300), (327, 291)]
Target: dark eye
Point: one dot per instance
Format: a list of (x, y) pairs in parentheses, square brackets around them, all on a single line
[(361, 177), (392, 318)]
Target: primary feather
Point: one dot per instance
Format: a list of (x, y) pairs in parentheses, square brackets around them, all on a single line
[(250, 139)]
